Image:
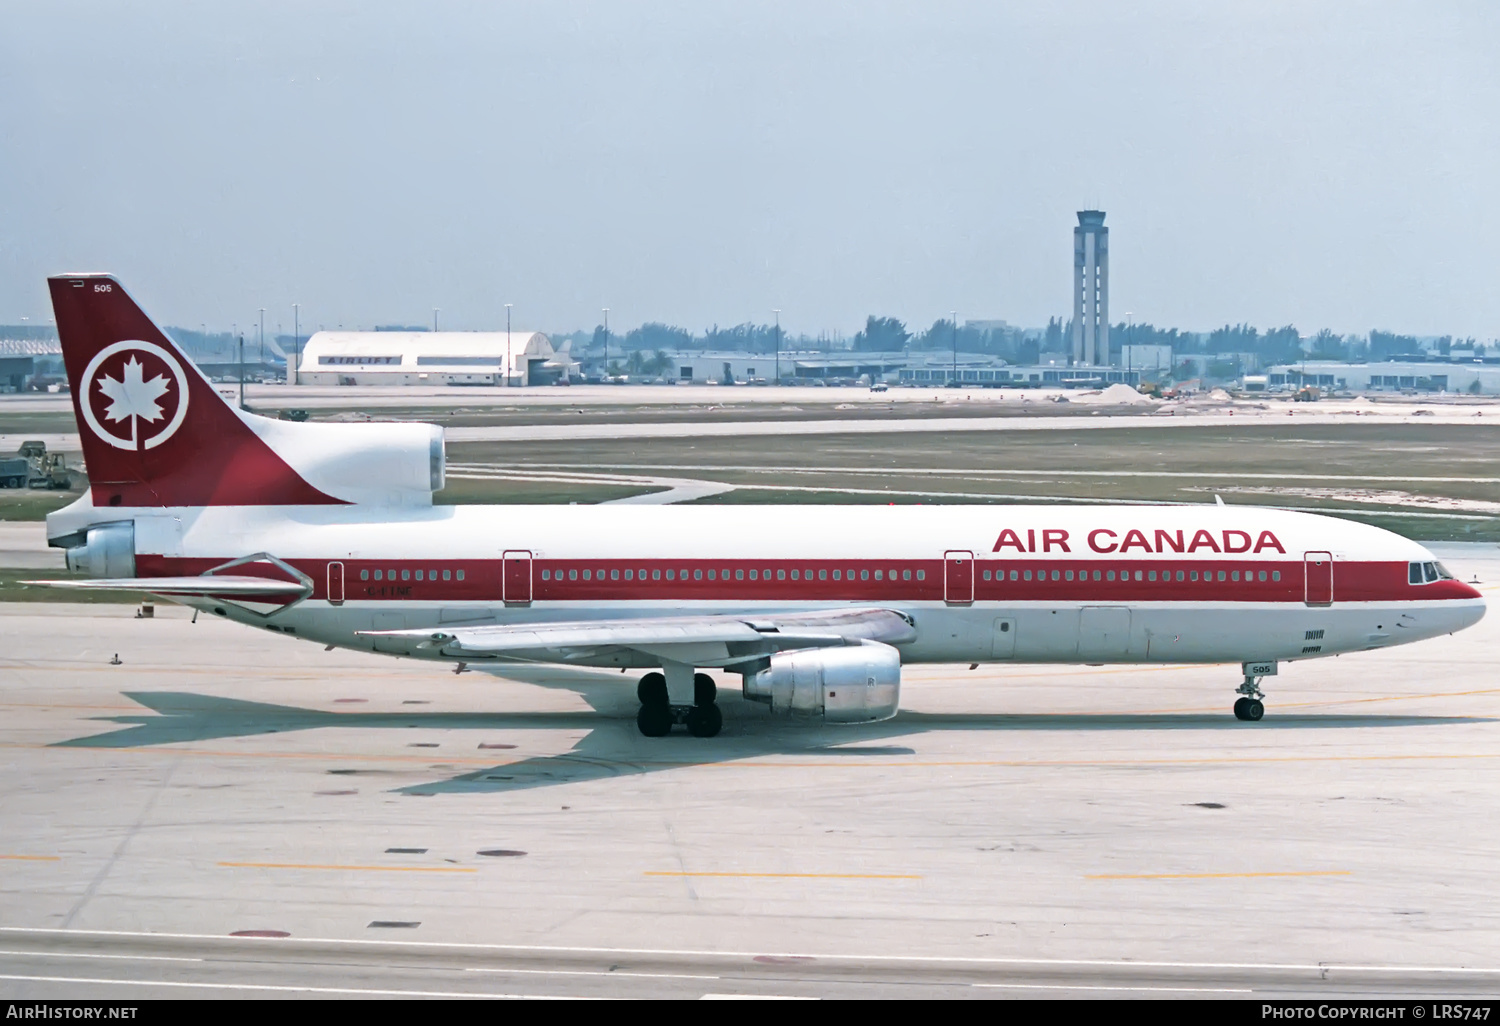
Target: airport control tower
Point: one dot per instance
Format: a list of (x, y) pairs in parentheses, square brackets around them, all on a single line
[(1091, 289)]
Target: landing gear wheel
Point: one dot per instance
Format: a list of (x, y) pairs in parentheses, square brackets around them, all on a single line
[(1249, 709), (1239, 708), (705, 721), (704, 690), (652, 690), (654, 719)]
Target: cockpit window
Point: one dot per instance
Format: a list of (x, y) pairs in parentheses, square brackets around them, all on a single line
[(1427, 573)]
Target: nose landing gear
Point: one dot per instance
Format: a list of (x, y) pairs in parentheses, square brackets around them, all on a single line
[(1250, 707), (658, 714)]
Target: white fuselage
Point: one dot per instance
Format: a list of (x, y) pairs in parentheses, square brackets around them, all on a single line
[(1092, 584)]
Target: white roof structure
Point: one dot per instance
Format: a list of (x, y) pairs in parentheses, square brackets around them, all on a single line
[(405, 357)]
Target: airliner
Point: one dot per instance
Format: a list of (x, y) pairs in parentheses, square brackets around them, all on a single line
[(328, 533)]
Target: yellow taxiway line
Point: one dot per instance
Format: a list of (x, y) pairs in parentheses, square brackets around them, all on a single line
[(362, 869)]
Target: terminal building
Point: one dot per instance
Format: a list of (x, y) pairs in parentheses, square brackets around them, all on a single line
[(430, 358), (1475, 377)]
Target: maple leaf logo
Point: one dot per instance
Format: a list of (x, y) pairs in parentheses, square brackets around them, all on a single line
[(133, 396)]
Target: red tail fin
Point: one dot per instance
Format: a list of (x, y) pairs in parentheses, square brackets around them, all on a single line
[(154, 431)]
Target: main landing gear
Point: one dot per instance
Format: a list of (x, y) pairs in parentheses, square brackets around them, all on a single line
[(658, 714)]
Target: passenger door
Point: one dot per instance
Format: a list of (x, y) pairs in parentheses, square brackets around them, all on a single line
[(1317, 568), (335, 584), (515, 577), (958, 577)]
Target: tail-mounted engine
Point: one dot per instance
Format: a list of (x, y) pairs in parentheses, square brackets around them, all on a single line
[(108, 550), (858, 684)]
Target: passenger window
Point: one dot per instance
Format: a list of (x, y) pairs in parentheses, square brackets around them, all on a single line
[(656, 575), (1138, 575), (1262, 575), (546, 575), (879, 575), (1097, 575), (460, 575), (1221, 575), (1192, 575), (837, 575), (781, 575), (906, 575), (921, 575), (1151, 576), (1028, 575), (986, 575), (1015, 575), (794, 575), (1109, 576), (669, 575), (406, 575), (572, 574), (697, 575), (1068, 575), (864, 575), (1234, 575), (739, 575), (630, 576), (755, 575), (588, 575), (364, 575), (1275, 575), (822, 575), (614, 575), (1055, 575)]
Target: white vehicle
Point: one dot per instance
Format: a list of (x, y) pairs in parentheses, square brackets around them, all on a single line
[(328, 532)]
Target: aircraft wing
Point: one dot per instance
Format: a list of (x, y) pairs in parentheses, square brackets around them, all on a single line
[(711, 640), (208, 586)]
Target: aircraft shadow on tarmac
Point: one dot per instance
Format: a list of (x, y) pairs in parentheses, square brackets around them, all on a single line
[(614, 748)]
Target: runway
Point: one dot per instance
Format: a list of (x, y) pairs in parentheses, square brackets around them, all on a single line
[(1016, 831)]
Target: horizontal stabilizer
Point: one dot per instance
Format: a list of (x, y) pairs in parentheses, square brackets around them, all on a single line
[(220, 585)]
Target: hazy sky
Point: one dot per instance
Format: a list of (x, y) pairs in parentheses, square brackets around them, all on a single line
[(1324, 164)]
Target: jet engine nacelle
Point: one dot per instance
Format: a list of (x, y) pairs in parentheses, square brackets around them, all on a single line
[(858, 684), (108, 550)]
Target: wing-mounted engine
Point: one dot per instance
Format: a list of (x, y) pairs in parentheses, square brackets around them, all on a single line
[(857, 684)]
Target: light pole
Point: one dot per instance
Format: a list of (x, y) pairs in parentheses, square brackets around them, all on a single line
[(606, 345), (507, 345), (242, 371), (954, 314), (262, 360), (435, 320), (296, 342), (778, 345)]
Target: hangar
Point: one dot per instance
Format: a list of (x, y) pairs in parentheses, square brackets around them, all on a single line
[(431, 358)]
